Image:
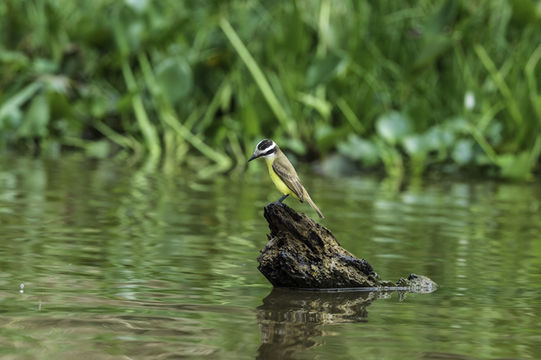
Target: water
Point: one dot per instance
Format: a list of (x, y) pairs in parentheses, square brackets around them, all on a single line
[(102, 260)]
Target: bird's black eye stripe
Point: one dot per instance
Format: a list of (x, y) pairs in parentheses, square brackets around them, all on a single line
[(264, 144), (273, 150)]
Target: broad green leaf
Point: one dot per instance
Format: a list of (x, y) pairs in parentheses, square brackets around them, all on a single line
[(435, 46), (415, 145), (43, 65), (356, 148), (463, 151), (295, 145), (515, 166), (137, 5), (174, 77), (337, 165), (327, 136), (438, 139), (457, 125), (11, 119), (36, 118), (393, 127), (322, 70), (525, 11), (13, 57)]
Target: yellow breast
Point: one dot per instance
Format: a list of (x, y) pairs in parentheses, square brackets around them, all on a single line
[(280, 185)]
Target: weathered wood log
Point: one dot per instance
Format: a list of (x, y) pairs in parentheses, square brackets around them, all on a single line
[(301, 253)]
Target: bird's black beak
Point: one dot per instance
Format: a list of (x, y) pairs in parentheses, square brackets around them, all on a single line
[(254, 156)]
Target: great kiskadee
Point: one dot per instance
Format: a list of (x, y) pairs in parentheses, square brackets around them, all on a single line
[(282, 173)]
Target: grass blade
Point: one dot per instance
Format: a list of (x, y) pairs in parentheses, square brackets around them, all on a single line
[(532, 81), (20, 98), (258, 76), (149, 132), (350, 116), (168, 117), (500, 83)]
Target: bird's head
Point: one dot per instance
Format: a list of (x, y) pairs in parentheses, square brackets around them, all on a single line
[(265, 148)]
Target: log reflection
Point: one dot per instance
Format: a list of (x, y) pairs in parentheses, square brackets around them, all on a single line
[(290, 320)]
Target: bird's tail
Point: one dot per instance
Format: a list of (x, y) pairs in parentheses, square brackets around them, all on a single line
[(312, 204)]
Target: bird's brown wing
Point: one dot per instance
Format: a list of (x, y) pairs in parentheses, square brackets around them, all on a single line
[(289, 176)]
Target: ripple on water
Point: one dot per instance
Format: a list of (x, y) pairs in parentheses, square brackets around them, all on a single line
[(123, 262)]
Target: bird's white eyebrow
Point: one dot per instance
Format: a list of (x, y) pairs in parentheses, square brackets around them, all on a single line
[(267, 149)]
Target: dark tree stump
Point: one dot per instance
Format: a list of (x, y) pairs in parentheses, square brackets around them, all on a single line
[(301, 253)]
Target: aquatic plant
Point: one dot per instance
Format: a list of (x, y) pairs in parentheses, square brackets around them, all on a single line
[(406, 86)]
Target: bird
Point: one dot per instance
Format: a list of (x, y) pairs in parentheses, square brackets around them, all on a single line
[(283, 173)]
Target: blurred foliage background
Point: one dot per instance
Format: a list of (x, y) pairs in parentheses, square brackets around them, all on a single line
[(404, 86)]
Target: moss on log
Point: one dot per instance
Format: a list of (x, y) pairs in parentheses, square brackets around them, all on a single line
[(301, 253)]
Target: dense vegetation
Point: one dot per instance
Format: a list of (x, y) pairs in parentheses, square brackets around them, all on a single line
[(401, 85)]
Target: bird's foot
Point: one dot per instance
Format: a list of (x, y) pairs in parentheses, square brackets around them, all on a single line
[(279, 202)]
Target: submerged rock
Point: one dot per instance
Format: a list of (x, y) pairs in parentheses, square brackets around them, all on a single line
[(301, 253), (418, 283)]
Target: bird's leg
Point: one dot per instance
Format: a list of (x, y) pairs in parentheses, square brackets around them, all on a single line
[(279, 202)]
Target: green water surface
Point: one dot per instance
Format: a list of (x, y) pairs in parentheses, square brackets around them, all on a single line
[(103, 260)]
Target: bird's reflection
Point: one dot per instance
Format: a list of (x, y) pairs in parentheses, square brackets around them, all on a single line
[(290, 320)]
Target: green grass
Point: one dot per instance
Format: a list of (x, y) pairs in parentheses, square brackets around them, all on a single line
[(409, 87)]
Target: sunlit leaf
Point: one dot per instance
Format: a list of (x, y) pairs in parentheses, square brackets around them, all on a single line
[(43, 65), (13, 58), (337, 165), (21, 97), (515, 166), (414, 144), (357, 148), (138, 5), (36, 118), (438, 139), (463, 151), (393, 126), (322, 106), (98, 149), (458, 125)]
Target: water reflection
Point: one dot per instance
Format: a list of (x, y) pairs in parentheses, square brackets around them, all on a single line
[(135, 336), (121, 261), (290, 320)]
